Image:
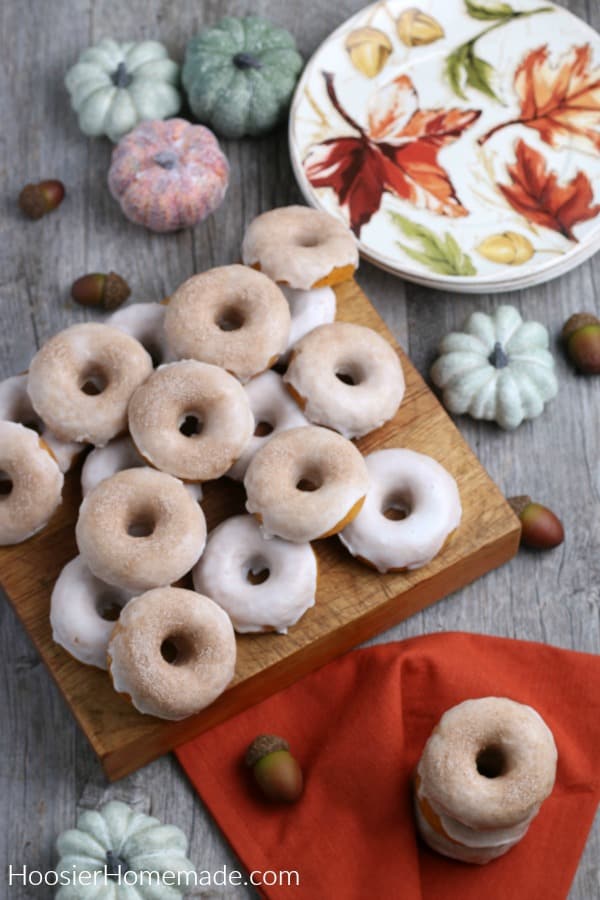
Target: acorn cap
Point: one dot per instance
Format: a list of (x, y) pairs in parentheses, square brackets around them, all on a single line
[(262, 745), (367, 33), (116, 291), (579, 320), (519, 503)]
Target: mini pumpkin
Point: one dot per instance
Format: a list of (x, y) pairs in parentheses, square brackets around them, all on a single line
[(240, 75), (168, 175), (115, 86), (498, 368), (121, 848)]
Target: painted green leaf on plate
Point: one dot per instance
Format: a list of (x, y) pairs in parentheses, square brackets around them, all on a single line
[(441, 254)]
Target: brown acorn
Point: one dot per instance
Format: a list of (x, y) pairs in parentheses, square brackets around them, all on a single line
[(97, 289), (541, 528), (35, 200), (275, 771), (581, 334)]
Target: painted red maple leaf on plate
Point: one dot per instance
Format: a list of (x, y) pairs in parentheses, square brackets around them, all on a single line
[(536, 193), (395, 152)]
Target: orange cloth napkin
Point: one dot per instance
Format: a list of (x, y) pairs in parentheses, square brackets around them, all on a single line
[(358, 726)]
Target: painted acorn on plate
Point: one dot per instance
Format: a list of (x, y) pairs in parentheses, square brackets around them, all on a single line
[(114, 86), (498, 368), (369, 49), (416, 28), (509, 248)]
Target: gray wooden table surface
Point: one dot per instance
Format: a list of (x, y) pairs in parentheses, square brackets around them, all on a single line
[(46, 765)]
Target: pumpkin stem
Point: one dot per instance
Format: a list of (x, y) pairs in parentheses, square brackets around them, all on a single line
[(121, 77), (246, 61), (166, 159), (498, 357), (114, 864)]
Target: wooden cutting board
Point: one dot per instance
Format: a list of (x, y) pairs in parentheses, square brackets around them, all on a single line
[(353, 602)]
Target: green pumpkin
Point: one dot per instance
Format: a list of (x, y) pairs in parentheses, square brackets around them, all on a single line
[(126, 845), (240, 75), (115, 86)]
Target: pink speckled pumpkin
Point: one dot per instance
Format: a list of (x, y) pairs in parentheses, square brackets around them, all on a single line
[(168, 175)]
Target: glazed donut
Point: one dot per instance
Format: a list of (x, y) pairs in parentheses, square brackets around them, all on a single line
[(146, 323), (301, 247), (346, 377), (232, 317), (273, 410), (83, 611), (306, 483), (140, 529), (308, 310), (264, 585), (411, 508), (15, 406), (191, 419), (81, 380), (119, 454), (172, 651), (486, 769), (30, 483)]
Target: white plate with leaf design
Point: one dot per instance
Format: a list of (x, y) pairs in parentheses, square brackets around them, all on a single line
[(459, 140)]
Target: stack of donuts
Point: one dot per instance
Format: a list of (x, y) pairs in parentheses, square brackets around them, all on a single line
[(172, 395)]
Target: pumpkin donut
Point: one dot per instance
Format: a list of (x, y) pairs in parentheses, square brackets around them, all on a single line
[(486, 769), (146, 323), (308, 309), (81, 380), (31, 483), (15, 406), (191, 419), (172, 652), (301, 247), (232, 317), (306, 483), (346, 377), (411, 508), (140, 529)]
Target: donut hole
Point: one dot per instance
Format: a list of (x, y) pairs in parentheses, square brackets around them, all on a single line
[(309, 239), (396, 507), (109, 606), (349, 374), (141, 525), (191, 425), (93, 382), (491, 761), (263, 429), (176, 649), (6, 484), (309, 481), (257, 571), (230, 319)]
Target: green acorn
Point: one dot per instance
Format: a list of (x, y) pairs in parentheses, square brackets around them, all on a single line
[(97, 289), (275, 770), (581, 334), (541, 528), (35, 200)]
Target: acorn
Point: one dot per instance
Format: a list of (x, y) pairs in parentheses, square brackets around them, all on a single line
[(509, 248), (416, 28), (35, 200), (541, 528), (97, 289), (275, 771), (581, 334), (369, 49)]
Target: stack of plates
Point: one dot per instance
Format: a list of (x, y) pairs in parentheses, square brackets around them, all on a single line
[(460, 141)]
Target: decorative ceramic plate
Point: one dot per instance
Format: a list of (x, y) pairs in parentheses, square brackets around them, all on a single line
[(459, 140)]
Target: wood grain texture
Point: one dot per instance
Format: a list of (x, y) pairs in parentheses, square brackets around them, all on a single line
[(353, 601), (46, 764)]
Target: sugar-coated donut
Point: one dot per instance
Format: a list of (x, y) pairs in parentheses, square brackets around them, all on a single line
[(232, 317), (306, 483), (486, 769), (31, 483), (119, 454), (191, 419), (146, 323), (83, 611), (308, 310), (273, 410), (346, 377), (81, 380), (423, 508), (140, 529), (15, 406), (172, 652), (301, 247), (236, 554)]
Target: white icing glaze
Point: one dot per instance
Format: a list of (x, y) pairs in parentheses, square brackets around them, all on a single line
[(404, 479), (145, 323), (441, 844), (36, 479), (308, 310), (237, 547), (15, 406), (270, 403), (76, 617), (342, 349)]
